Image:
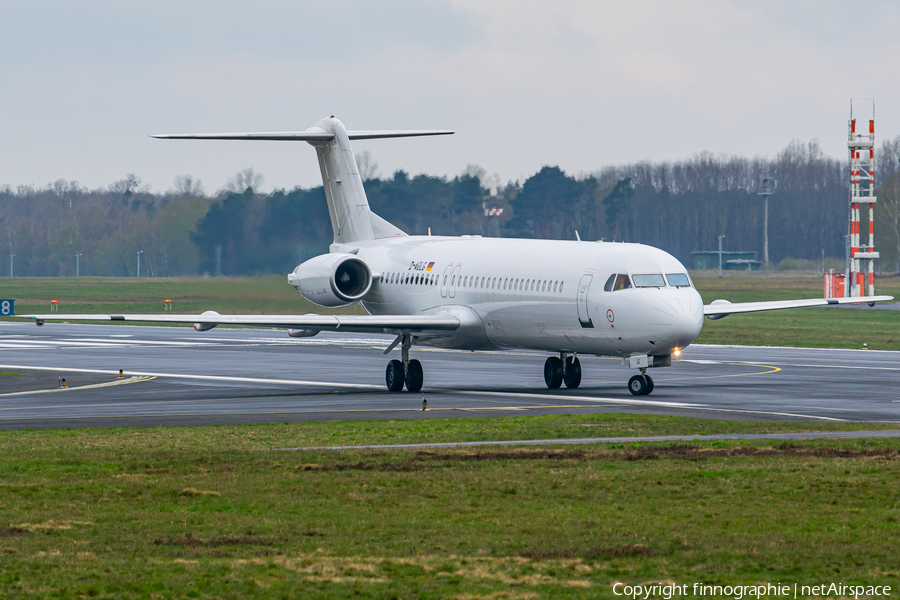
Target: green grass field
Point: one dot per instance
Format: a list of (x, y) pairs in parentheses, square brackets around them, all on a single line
[(266, 294), (269, 294), (220, 512), (830, 327)]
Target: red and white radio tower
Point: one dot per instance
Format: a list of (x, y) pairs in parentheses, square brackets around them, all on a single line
[(862, 191)]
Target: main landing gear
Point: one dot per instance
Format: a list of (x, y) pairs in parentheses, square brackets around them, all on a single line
[(405, 371), (562, 369), (640, 385)]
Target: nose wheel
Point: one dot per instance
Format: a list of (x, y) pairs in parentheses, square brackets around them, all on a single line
[(640, 385), (404, 372)]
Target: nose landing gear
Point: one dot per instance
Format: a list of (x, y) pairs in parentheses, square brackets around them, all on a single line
[(640, 385), (562, 369), (405, 371)]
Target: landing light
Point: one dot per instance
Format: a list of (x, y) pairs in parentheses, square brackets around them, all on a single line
[(677, 352)]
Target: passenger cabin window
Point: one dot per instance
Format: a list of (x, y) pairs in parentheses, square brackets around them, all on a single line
[(678, 280), (654, 280)]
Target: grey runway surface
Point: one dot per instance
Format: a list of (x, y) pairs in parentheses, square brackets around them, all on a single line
[(176, 376)]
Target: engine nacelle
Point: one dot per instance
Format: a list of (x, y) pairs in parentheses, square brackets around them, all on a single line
[(332, 279), (303, 332), (207, 326), (717, 303)]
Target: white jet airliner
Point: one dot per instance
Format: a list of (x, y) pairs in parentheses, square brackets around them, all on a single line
[(472, 293)]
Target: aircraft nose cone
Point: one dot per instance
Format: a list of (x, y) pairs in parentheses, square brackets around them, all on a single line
[(684, 316)]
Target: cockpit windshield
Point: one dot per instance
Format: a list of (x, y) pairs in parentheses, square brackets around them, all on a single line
[(651, 280), (616, 282), (678, 280), (622, 282)]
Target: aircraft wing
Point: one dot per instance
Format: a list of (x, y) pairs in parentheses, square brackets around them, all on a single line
[(350, 323), (722, 308)]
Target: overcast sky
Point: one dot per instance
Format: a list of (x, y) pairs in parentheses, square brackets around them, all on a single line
[(523, 83)]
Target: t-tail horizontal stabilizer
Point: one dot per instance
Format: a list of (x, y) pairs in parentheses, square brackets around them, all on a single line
[(348, 207), (310, 135)]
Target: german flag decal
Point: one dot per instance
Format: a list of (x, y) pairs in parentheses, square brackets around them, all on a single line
[(428, 268)]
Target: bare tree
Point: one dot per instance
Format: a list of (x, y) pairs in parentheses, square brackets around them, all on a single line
[(244, 180), (130, 185), (368, 168), (188, 187)]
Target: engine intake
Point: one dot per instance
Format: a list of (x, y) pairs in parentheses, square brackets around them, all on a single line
[(332, 279)]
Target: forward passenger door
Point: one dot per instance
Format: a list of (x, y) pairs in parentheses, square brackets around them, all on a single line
[(581, 302)]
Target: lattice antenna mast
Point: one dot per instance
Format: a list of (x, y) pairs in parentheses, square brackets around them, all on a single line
[(861, 146)]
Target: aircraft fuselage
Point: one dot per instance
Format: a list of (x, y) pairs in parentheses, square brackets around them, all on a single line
[(535, 294)]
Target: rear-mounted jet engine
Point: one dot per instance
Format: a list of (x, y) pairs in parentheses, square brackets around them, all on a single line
[(332, 279)]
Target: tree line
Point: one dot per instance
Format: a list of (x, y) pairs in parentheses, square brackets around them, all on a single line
[(678, 206)]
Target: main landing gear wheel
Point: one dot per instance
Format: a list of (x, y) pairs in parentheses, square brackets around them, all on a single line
[(640, 385), (393, 376), (572, 373), (553, 372), (415, 376)]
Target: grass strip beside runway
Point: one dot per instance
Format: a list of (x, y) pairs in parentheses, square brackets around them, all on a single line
[(454, 430), (473, 429), (175, 512)]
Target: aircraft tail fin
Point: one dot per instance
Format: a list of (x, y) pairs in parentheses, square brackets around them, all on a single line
[(348, 207)]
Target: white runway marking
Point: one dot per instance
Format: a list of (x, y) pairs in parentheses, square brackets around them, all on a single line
[(351, 386), (82, 387), (584, 398), (38, 344), (142, 342), (662, 403), (288, 341), (870, 367)]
